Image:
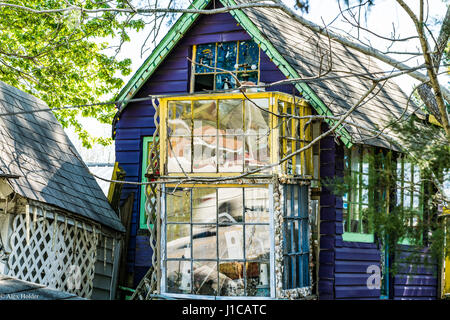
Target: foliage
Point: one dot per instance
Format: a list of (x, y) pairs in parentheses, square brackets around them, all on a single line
[(426, 147), (59, 58)]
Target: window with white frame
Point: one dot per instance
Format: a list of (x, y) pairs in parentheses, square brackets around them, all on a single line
[(409, 191), (217, 241)]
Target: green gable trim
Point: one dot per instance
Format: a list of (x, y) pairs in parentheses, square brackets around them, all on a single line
[(287, 70), (161, 51), (185, 22)]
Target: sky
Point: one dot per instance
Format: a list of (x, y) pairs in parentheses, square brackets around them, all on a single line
[(384, 17)]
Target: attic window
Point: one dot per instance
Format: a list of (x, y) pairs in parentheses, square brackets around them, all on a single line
[(214, 63)]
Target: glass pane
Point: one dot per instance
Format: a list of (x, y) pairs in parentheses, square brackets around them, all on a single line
[(230, 117), (205, 159), (258, 277), (178, 276), (231, 242), (248, 55), (226, 55), (256, 205), (205, 136), (231, 154), (179, 118), (416, 176), (205, 118), (257, 242), (248, 77), (178, 206), (366, 160), (416, 201), (206, 278), (179, 154), (407, 198), (288, 196), (178, 241), (204, 242), (257, 152), (230, 201), (205, 55), (355, 159), (407, 172), (232, 272), (256, 118), (225, 81), (204, 205)]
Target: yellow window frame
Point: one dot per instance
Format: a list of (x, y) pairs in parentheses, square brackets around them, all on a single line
[(274, 136)]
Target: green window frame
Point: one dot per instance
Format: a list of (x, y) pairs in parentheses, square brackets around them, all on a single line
[(409, 190), (359, 167), (147, 143)]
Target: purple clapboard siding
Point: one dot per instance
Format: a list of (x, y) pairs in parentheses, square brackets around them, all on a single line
[(136, 122), (416, 277)]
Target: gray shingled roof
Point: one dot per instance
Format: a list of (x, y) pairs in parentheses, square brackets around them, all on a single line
[(35, 147), (302, 49), (16, 289)]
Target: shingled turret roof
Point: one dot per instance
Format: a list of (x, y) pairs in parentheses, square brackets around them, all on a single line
[(36, 152)]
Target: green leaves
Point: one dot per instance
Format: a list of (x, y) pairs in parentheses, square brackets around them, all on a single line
[(60, 57)]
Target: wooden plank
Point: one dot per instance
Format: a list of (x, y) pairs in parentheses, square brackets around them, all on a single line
[(353, 266), (415, 291), (415, 280), (126, 213), (356, 292), (353, 254), (351, 279)]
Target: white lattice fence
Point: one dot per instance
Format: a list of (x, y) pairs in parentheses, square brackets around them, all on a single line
[(58, 253)]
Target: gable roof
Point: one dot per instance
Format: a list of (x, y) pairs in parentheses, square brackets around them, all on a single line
[(47, 168), (296, 51)]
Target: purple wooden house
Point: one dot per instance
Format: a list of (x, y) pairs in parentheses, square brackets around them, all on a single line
[(245, 223)]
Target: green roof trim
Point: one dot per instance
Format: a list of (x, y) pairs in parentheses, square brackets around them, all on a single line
[(161, 51), (287, 70), (184, 23)]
